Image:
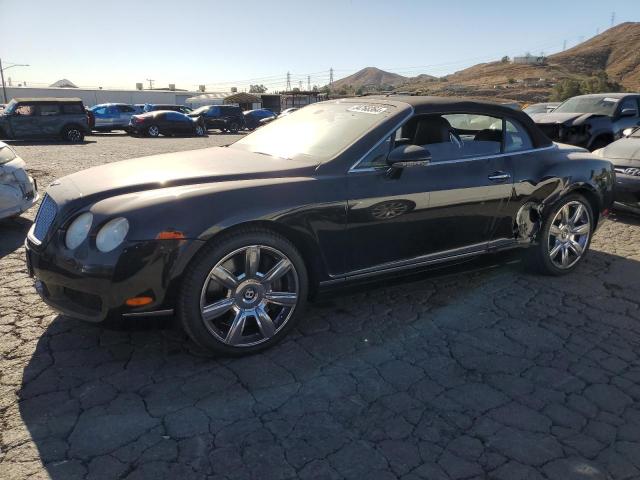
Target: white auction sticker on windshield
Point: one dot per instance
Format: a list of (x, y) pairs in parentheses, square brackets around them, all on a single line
[(374, 109)]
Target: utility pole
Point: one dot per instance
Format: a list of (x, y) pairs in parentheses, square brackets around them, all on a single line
[(300, 84), (4, 88), (150, 80), (308, 83), (564, 45), (288, 81), (613, 18), (331, 76)]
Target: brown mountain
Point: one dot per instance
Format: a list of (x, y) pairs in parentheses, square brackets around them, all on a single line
[(615, 51), (370, 77)]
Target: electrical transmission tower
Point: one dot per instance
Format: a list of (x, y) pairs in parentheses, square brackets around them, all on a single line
[(288, 81), (150, 80), (613, 18), (309, 83), (564, 45), (331, 77)]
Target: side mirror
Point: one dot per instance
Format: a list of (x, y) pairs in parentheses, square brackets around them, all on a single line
[(408, 156), (628, 112)]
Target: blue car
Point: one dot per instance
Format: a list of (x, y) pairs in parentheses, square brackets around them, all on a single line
[(112, 116), (252, 118)]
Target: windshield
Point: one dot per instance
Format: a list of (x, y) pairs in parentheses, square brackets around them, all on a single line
[(598, 105), (319, 131), (200, 110)]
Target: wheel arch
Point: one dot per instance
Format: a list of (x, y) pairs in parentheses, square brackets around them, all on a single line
[(306, 245)]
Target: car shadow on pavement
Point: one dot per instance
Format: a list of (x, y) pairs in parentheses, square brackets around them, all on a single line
[(490, 373), (53, 142), (13, 232)]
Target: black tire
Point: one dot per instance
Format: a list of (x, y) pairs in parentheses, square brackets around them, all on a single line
[(153, 131), (234, 127), (73, 134), (539, 259), (599, 142), (198, 270)]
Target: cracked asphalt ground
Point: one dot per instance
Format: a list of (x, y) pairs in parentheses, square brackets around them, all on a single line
[(490, 374)]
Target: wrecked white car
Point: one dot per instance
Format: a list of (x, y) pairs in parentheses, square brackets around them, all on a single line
[(18, 190)]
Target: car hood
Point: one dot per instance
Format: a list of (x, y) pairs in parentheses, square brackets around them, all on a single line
[(561, 117), (193, 167), (625, 149)]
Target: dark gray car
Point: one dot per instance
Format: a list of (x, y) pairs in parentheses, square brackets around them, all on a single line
[(591, 121), (35, 118)]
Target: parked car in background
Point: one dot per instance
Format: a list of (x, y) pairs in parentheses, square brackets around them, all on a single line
[(625, 156), (235, 239), (253, 118), (139, 108), (18, 190), (39, 118), (287, 111), (167, 123), (591, 121), (545, 107), (152, 107), (222, 117), (112, 116)]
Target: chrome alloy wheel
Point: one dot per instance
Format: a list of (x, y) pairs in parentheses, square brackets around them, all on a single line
[(153, 131), (199, 131), (249, 295), (569, 234)]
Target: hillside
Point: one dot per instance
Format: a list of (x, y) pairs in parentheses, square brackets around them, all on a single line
[(615, 51), (370, 77)]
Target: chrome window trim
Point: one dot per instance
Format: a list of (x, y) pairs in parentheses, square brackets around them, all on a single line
[(458, 160), (378, 143)]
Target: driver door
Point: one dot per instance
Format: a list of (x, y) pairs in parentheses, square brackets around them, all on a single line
[(428, 213)]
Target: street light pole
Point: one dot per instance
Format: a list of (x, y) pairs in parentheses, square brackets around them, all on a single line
[(4, 89)]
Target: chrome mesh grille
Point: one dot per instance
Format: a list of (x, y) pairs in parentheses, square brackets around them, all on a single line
[(44, 218)]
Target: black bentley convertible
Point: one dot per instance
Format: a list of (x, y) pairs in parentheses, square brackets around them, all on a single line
[(235, 239)]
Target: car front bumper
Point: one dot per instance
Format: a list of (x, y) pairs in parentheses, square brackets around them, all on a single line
[(18, 197), (92, 286), (627, 190)]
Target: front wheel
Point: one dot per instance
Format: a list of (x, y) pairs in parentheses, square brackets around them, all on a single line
[(200, 131), (153, 131), (234, 127), (565, 237), (73, 135), (243, 293)]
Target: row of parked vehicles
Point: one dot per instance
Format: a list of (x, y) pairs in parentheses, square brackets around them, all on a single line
[(69, 120)]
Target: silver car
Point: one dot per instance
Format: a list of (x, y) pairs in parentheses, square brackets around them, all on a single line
[(18, 190)]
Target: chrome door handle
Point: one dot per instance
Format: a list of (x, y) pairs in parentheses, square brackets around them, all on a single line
[(499, 177)]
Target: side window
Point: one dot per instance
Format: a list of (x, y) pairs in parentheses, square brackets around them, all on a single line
[(214, 112), (176, 117), (100, 111), (25, 110), (71, 108), (112, 110), (516, 138), (49, 109), (456, 136), (629, 103), (378, 156), (125, 109)]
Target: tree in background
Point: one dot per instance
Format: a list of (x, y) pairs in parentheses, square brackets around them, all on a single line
[(570, 87), (257, 88)]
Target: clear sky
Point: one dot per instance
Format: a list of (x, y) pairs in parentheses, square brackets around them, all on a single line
[(234, 43)]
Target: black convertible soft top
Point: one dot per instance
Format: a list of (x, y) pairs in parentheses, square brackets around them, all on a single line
[(430, 104)]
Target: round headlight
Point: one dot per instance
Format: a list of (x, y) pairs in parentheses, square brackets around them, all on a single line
[(112, 234), (78, 230)]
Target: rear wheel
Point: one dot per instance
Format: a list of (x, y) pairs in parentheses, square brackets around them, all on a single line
[(153, 130), (234, 127), (565, 237), (73, 134), (243, 293), (200, 131)]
